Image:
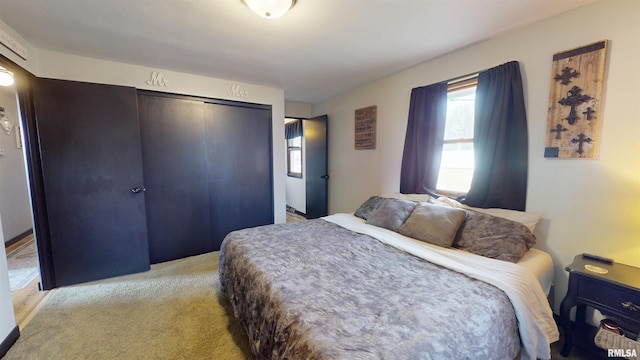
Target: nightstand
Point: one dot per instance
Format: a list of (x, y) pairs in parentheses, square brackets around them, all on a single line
[(615, 294)]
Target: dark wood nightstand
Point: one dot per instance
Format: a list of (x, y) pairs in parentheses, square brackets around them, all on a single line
[(615, 294)]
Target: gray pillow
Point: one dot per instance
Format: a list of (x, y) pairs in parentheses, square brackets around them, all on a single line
[(365, 210), (494, 237), (391, 213), (435, 224)]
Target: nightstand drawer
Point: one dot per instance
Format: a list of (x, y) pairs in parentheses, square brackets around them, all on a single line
[(616, 298)]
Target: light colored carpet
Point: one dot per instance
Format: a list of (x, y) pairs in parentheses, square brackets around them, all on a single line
[(173, 311), (23, 265)]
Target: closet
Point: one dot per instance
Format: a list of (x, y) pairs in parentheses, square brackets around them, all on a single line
[(207, 168), (134, 177)]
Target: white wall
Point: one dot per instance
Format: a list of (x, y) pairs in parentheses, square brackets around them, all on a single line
[(587, 205), (14, 193), (31, 63), (297, 110), (6, 303)]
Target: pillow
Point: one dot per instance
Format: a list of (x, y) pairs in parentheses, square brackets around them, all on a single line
[(435, 224), (391, 213), (368, 207), (494, 237), (412, 197), (528, 219)]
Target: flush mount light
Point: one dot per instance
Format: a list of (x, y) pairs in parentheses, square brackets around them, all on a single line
[(270, 9), (6, 77)]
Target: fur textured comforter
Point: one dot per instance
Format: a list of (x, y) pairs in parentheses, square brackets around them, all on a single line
[(315, 290)]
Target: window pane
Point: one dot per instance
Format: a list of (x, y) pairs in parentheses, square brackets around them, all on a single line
[(460, 109), (295, 161), (456, 167), (295, 142)]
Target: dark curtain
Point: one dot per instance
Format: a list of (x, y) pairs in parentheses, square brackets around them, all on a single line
[(500, 141), (424, 139), (293, 129)]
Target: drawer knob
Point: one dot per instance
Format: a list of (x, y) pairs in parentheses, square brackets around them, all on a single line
[(631, 306)]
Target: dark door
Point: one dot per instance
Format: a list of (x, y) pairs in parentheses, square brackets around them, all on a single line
[(240, 168), (175, 169), (92, 166), (317, 177)]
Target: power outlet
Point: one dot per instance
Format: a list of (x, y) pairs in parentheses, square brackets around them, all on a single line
[(1, 152)]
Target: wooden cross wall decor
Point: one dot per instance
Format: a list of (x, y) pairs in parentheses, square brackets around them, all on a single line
[(575, 102)]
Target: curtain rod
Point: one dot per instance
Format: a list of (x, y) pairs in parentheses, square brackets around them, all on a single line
[(471, 75), (463, 77)]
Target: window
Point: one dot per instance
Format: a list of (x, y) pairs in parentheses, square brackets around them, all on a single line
[(294, 157), (456, 167)]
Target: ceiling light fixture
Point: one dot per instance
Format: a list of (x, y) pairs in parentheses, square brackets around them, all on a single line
[(270, 9), (6, 77)]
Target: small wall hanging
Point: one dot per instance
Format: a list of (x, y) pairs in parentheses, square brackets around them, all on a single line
[(18, 133), (365, 127), (6, 125), (575, 102)]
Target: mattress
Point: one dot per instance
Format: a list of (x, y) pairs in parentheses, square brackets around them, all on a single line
[(541, 266), (283, 282)]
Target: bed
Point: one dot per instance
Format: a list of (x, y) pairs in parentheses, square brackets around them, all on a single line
[(341, 287)]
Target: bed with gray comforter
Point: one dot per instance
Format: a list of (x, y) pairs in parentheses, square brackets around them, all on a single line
[(316, 290)]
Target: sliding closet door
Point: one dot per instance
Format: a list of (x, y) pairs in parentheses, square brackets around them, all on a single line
[(91, 164), (208, 171), (240, 175), (175, 169)]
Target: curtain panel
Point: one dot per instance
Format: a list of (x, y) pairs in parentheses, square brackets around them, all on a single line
[(500, 141), (293, 129), (424, 139)]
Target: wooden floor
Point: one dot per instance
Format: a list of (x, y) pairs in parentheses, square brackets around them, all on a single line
[(293, 217), (26, 300)]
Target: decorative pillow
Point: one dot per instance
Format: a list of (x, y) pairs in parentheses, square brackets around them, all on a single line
[(435, 224), (529, 219), (391, 213), (494, 237), (368, 207)]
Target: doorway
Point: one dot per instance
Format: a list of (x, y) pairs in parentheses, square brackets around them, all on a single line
[(307, 166), (15, 208)]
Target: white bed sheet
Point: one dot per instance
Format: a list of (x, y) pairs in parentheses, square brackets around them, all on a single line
[(535, 318), (540, 264)]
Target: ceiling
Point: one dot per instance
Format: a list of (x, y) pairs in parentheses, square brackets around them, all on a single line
[(320, 49)]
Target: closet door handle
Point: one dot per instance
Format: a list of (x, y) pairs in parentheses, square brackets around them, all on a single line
[(136, 190)]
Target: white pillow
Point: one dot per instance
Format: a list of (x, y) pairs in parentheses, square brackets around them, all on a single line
[(528, 219), (412, 197)]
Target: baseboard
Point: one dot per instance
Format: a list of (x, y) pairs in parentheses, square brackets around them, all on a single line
[(17, 238), (9, 341), (293, 210)]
